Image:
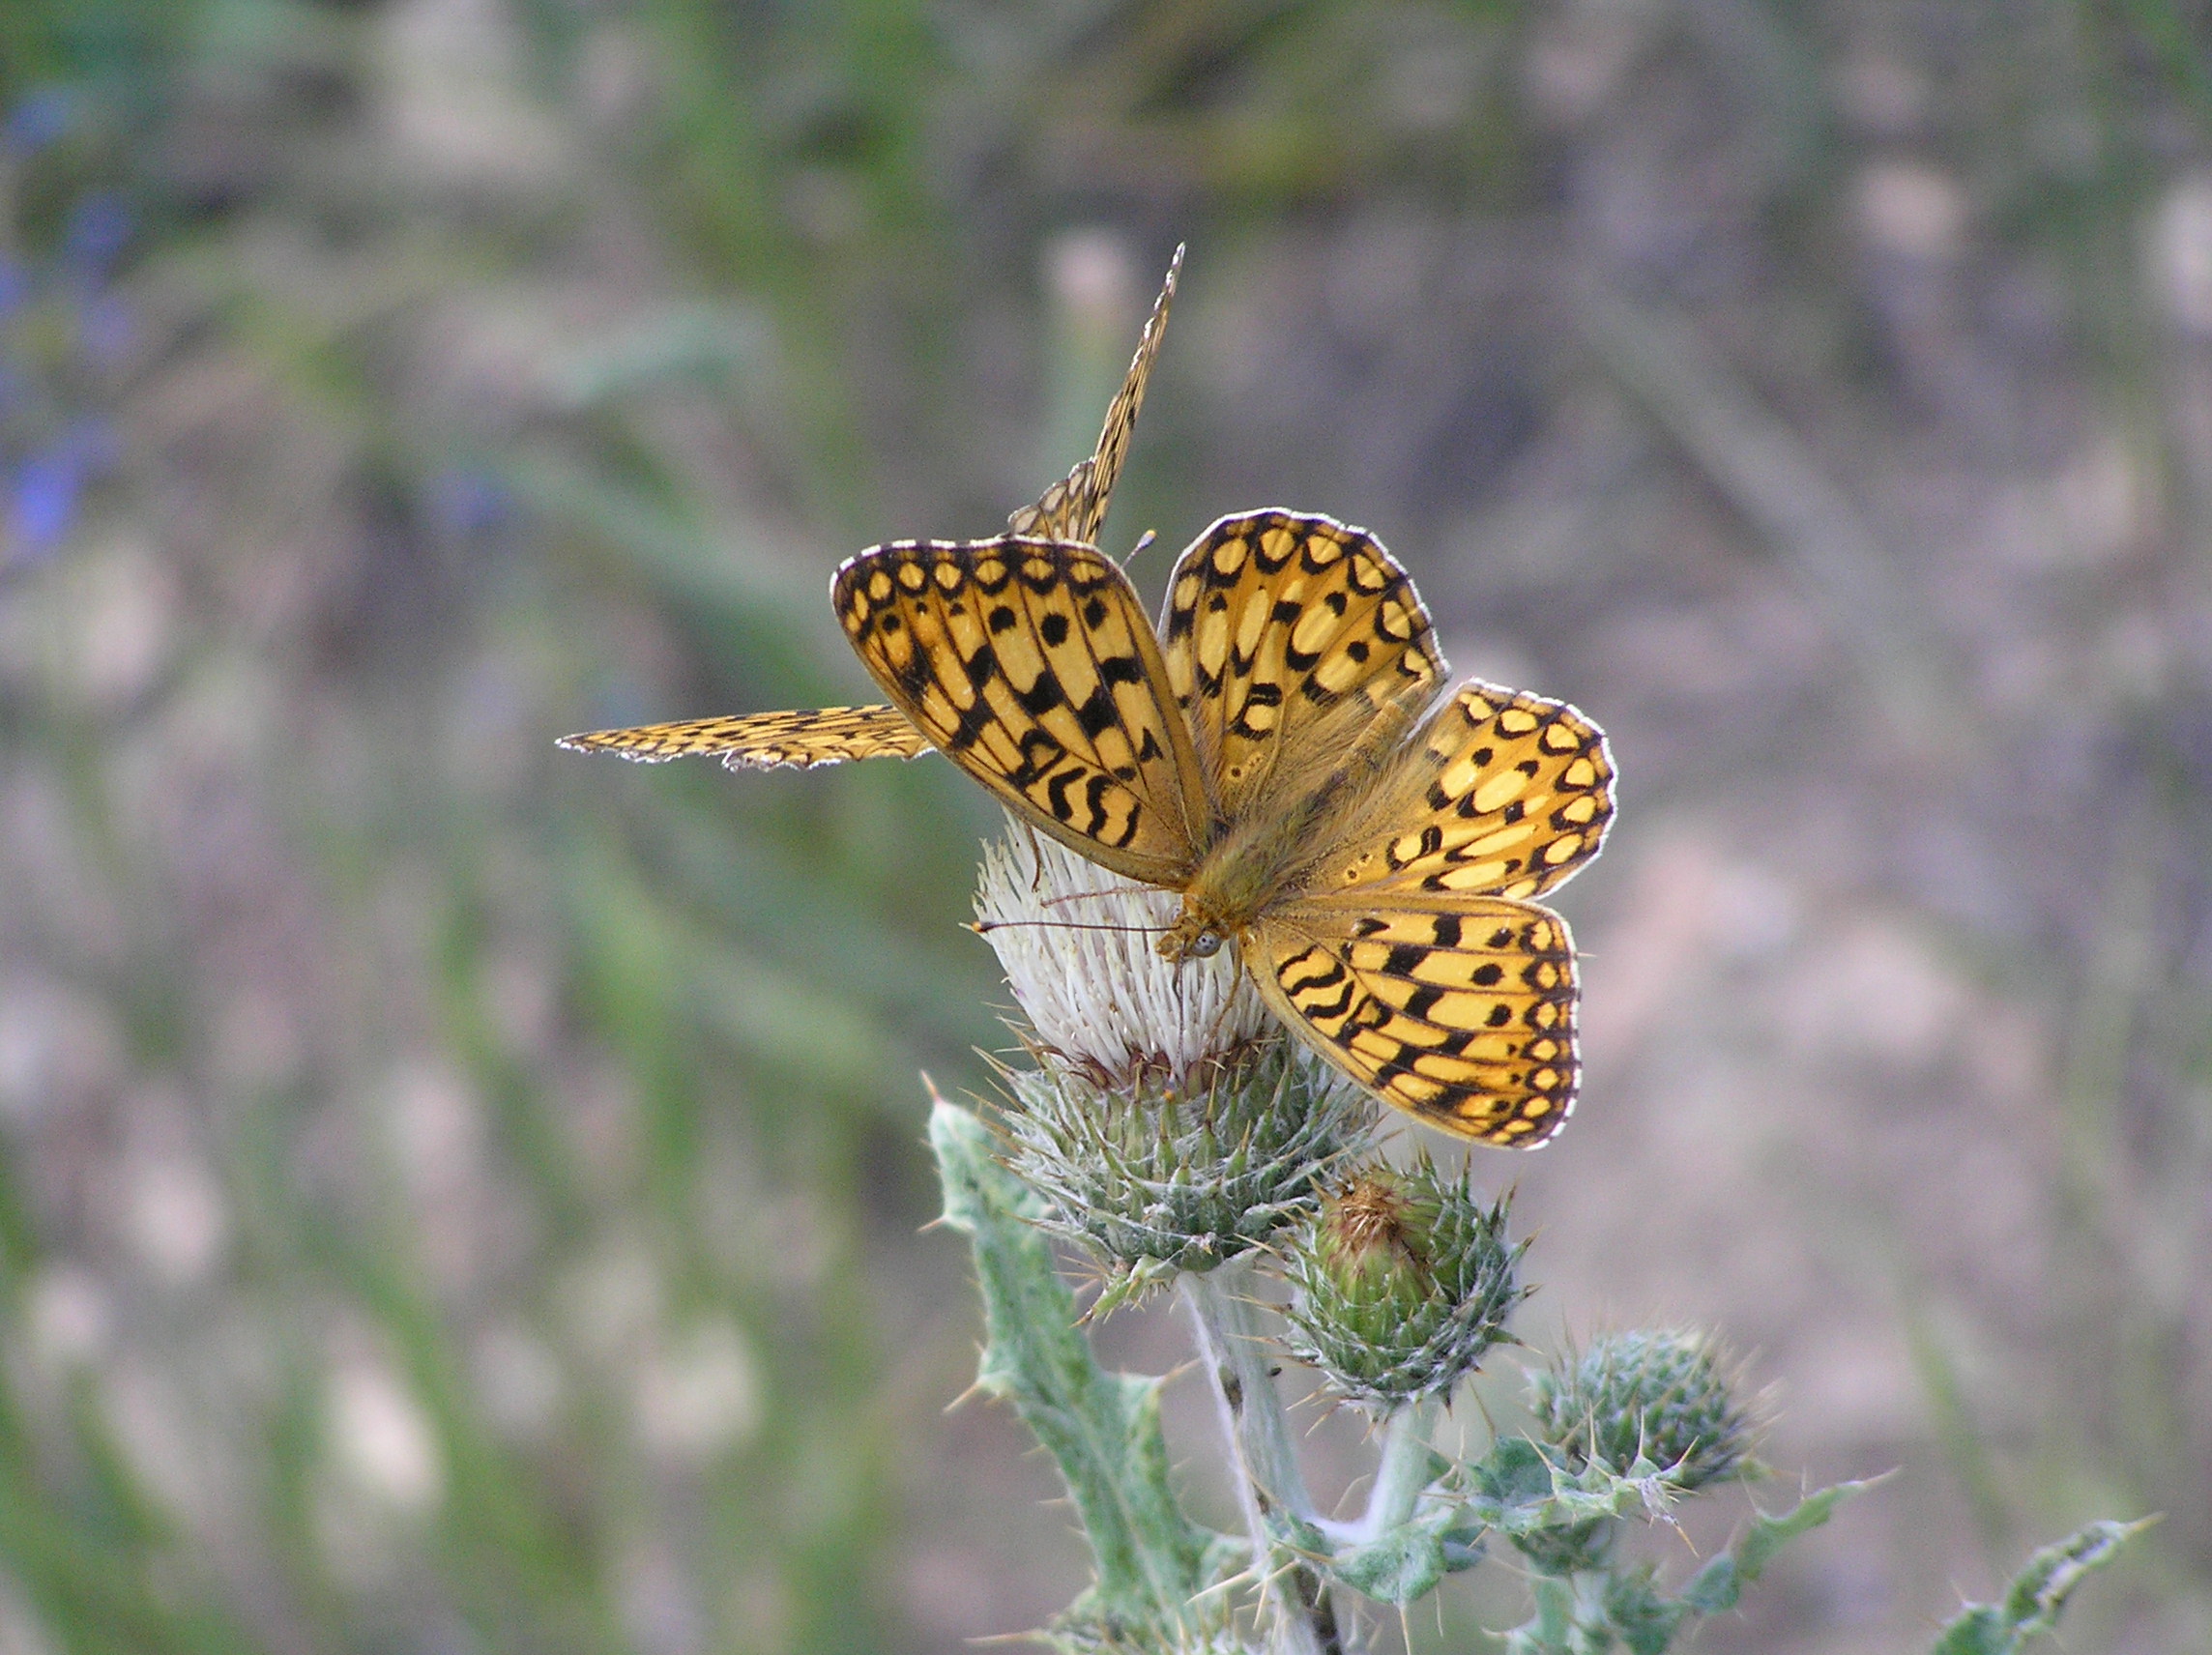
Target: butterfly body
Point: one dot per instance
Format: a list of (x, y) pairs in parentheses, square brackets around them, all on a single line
[(1267, 858)]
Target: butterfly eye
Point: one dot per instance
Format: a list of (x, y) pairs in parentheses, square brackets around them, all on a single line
[(1206, 944)]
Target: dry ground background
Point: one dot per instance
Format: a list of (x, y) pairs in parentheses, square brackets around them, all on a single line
[(460, 1197)]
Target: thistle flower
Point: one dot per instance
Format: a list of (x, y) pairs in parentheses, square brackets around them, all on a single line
[(1666, 1397), (1078, 945), (1169, 1123), (1403, 1284)]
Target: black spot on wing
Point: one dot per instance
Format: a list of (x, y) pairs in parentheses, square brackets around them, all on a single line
[(1098, 714)]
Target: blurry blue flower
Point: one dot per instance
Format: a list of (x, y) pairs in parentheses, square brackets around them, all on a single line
[(99, 227), (464, 502), (43, 115), (45, 494), (42, 503)]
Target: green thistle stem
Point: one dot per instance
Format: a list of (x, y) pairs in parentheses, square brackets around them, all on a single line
[(1406, 1467), (1403, 1473), (1234, 1350), (1570, 1616)]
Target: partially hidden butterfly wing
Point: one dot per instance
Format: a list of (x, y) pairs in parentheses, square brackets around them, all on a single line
[(1075, 508), (762, 740), (1030, 665), (1462, 1015), (1287, 638), (1072, 510)]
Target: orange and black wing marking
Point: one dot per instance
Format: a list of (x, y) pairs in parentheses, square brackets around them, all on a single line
[(1285, 637), (1500, 793), (762, 740), (1030, 665), (1074, 508), (1461, 1013)]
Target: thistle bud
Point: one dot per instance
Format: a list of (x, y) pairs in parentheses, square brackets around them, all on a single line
[(1402, 1283), (1666, 1397)]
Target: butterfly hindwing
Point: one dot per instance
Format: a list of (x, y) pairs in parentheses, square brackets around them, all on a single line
[(1284, 636), (1463, 1015), (762, 740), (1501, 794), (1030, 665)]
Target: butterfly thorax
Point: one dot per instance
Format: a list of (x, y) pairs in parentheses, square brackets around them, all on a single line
[(1231, 883), (1253, 863), (1270, 849), (1222, 899)]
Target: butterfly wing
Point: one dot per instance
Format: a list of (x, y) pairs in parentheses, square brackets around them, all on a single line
[(1500, 793), (1462, 1016), (1075, 508), (762, 740), (1412, 957), (1285, 637), (1030, 665)]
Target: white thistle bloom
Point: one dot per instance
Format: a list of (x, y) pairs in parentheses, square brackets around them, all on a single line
[(1079, 947)]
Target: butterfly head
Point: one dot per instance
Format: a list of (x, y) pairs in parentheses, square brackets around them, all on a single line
[(1195, 936)]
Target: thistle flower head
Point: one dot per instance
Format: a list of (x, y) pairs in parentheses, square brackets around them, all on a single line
[(1169, 1124), (1667, 1396), (1403, 1283), (1155, 1176), (1079, 947)]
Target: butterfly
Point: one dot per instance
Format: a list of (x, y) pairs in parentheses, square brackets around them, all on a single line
[(1279, 751)]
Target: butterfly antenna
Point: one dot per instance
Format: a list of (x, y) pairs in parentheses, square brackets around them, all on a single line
[(1144, 544), (1078, 896), (985, 927)]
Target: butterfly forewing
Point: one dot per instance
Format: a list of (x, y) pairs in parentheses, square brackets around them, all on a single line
[(1284, 636), (1075, 508), (1030, 665), (762, 740), (1501, 794), (1463, 1015)]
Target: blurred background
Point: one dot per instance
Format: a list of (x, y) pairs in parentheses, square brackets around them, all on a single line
[(458, 1196)]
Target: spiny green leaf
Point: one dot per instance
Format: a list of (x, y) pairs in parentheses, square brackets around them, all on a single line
[(1101, 1429), (1642, 1619), (1715, 1588), (1517, 1489), (1407, 1560), (2038, 1593)]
